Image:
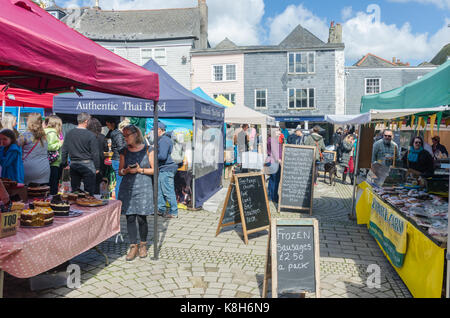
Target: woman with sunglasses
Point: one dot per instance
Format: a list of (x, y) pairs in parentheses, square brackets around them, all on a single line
[(136, 188), (418, 159)]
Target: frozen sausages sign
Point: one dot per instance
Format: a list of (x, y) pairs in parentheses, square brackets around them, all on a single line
[(293, 257)]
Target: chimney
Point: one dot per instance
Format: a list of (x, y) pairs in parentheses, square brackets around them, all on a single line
[(203, 8), (335, 35), (97, 5)]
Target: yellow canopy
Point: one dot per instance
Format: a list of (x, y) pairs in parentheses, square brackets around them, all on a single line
[(225, 102)]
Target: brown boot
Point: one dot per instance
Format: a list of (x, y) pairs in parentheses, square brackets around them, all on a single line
[(133, 252), (143, 250)]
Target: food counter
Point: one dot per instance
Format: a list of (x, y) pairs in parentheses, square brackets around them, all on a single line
[(410, 226)]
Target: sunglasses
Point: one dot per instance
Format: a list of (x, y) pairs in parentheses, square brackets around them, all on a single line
[(388, 136), (418, 142)]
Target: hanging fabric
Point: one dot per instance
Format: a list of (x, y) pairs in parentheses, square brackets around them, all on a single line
[(439, 119), (432, 121)]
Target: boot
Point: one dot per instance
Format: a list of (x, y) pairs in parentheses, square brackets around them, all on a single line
[(344, 176), (143, 250), (133, 252), (352, 181)]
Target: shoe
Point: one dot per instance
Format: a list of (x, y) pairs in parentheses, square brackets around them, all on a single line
[(344, 176), (133, 252), (143, 250), (170, 216), (160, 213)]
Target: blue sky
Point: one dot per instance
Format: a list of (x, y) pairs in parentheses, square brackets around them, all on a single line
[(411, 30)]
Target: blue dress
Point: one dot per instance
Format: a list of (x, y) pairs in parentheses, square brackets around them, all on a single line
[(11, 162), (136, 190)]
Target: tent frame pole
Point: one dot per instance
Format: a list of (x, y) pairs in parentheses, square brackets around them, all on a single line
[(155, 181), (194, 139), (352, 216)]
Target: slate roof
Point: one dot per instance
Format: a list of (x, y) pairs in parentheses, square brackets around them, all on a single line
[(370, 60), (301, 38), (442, 56), (135, 25)]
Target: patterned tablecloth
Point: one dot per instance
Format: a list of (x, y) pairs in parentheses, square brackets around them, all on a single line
[(33, 251)]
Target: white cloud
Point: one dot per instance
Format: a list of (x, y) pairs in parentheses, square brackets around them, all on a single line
[(362, 35), (284, 23), (346, 13), (442, 4)]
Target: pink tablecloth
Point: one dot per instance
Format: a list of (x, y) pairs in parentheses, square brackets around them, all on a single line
[(34, 251)]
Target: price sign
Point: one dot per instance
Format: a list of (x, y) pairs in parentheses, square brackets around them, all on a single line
[(9, 222)]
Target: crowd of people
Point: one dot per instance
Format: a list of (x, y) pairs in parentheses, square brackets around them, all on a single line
[(39, 155)]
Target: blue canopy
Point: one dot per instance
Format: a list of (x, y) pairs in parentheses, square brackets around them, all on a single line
[(174, 101), (199, 92)]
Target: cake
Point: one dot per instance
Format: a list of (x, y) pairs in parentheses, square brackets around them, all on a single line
[(59, 206), (89, 201), (72, 197), (17, 206), (37, 190), (43, 203), (36, 217)]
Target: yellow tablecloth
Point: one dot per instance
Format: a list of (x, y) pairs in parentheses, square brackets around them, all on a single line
[(422, 270)]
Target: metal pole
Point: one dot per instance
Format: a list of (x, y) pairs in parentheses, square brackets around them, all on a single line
[(352, 216), (3, 107), (155, 180), (194, 136), (2, 277)]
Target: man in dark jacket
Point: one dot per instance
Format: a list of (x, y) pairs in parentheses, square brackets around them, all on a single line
[(297, 137), (115, 143), (337, 140), (167, 170), (81, 146)]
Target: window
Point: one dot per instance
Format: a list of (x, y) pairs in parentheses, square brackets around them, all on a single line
[(225, 72), (372, 86), (301, 98), (230, 96), (157, 54), (260, 98), (301, 63)]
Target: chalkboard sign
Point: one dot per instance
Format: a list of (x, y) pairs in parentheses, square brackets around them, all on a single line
[(297, 177), (246, 202), (294, 258), (231, 214)]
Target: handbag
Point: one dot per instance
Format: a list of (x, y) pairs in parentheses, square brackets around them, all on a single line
[(52, 156)]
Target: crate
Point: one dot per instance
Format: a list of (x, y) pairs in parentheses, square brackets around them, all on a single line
[(9, 223)]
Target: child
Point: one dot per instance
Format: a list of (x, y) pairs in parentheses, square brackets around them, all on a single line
[(10, 156)]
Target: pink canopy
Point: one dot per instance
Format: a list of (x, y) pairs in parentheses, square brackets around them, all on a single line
[(40, 53), (25, 98)]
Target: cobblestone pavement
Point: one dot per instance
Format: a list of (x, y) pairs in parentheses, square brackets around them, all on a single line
[(193, 262)]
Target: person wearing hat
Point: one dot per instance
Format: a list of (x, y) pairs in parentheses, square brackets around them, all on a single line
[(297, 137), (316, 140), (167, 170), (439, 151)]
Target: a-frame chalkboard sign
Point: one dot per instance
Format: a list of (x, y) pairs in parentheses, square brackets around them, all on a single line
[(297, 178), (293, 258), (247, 203)]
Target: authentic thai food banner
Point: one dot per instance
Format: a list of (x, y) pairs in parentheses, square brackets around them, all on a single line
[(389, 229)]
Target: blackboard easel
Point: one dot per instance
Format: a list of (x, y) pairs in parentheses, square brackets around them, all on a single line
[(283, 188), (273, 269), (262, 216)]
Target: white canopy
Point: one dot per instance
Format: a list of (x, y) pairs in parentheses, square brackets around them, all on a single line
[(359, 119), (241, 114), (385, 114)]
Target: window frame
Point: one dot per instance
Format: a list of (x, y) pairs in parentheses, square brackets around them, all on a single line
[(224, 72), (152, 55), (365, 85), (306, 54), (308, 98), (256, 98)]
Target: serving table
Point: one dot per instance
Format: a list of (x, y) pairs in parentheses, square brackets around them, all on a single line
[(33, 251)]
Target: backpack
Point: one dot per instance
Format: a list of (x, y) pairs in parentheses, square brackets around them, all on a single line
[(178, 151)]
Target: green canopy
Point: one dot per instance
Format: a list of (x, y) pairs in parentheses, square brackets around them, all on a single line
[(432, 90)]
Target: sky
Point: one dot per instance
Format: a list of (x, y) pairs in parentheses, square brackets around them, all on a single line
[(411, 30)]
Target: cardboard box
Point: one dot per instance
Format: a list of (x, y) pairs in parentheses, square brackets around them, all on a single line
[(8, 223)]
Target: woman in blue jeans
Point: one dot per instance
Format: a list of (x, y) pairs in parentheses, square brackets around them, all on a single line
[(117, 144)]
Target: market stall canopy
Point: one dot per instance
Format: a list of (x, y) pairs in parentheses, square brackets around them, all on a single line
[(223, 101), (431, 90), (42, 54), (398, 113), (240, 114), (174, 101), (201, 93), (360, 119), (25, 98)]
